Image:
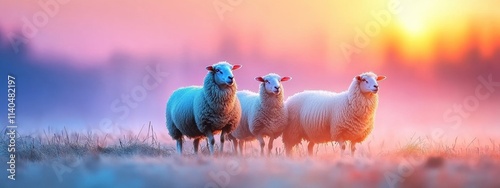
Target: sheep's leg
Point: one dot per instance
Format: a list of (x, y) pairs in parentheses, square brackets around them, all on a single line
[(240, 143), (270, 145), (235, 143), (179, 146), (353, 148), (262, 144), (310, 148), (211, 141), (342, 148), (222, 140), (288, 150), (235, 146), (196, 144)]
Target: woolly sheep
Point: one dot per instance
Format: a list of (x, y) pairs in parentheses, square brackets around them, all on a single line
[(199, 112), (322, 116), (263, 114)]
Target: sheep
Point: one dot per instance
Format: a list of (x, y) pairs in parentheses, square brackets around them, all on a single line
[(201, 112), (263, 114), (322, 116)]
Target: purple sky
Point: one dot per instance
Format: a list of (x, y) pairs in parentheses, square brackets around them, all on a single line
[(83, 65)]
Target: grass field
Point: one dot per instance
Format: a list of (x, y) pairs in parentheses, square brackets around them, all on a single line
[(63, 159)]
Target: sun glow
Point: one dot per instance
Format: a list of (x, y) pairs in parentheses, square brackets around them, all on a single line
[(416, 16), (413, 25), (417, 41), (416, 28)]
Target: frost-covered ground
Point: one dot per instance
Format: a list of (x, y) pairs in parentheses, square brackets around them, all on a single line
[(258, 172), (87, 160)]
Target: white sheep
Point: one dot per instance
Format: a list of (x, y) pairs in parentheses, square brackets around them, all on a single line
[(199, 112), (322, 116), (263, 113)]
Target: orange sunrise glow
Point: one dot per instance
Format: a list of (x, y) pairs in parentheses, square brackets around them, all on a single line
[(86, 85)]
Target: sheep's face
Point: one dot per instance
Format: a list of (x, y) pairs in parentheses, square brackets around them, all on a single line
[(223, 73), (368, 82), (272, 83)]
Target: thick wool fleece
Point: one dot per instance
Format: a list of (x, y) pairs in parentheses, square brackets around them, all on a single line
[(217, 107), (193, 110), (262, 113), (322, 116)]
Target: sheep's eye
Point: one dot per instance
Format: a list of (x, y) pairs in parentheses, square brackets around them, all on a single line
[(267, 81), (218, 71), (366, 81)]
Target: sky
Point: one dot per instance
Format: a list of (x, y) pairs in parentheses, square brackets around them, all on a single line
[(82, 64)]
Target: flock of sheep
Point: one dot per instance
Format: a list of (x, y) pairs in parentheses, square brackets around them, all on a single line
[(200, 112)]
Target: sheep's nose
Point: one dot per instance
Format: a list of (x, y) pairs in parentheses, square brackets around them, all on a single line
[(376, 86), (230, 77), (277, 87)]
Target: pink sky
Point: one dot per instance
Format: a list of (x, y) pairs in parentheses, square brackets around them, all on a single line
[(92, 30), (428, 51)]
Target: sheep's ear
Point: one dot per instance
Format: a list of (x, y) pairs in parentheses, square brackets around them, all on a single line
[(380, 78), (359, 78), (236, 67), (260, 79), (286, 78), (210, 68)]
